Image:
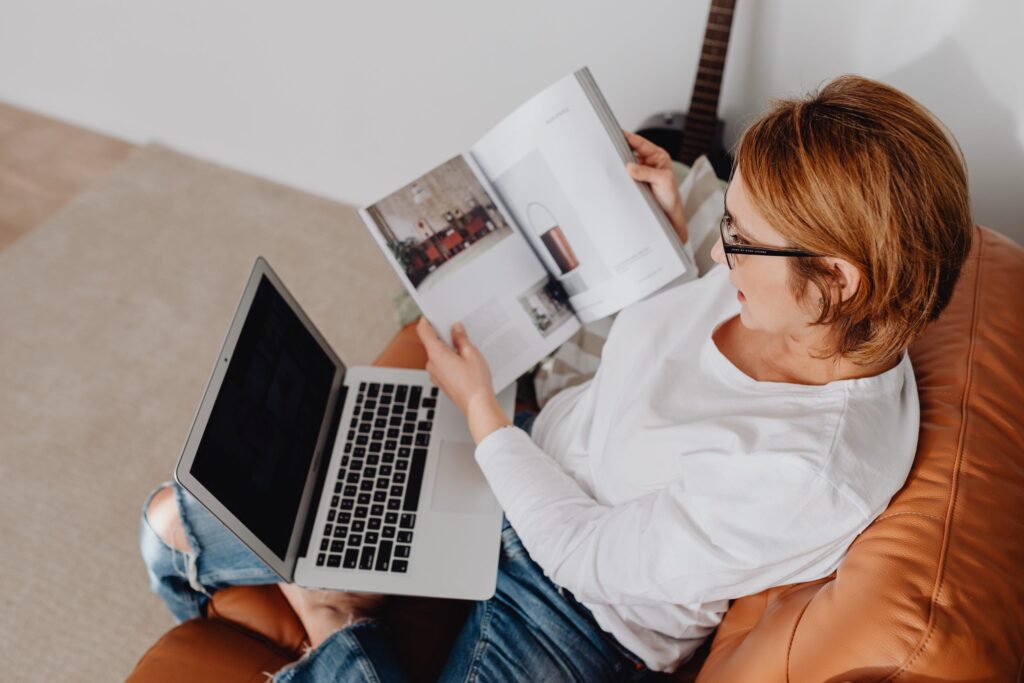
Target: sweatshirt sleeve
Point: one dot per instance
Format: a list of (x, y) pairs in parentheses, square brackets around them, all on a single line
[(727, 527)]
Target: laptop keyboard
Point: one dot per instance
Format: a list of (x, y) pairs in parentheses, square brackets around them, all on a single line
[(372, 517)]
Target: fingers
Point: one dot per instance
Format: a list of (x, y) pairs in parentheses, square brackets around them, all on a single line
[(431, 341), (649, 174), (647, 150), (459, 338)]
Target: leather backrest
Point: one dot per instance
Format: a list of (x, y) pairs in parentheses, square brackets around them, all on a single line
[(933, 589)]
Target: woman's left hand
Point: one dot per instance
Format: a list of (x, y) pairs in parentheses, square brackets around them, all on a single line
[(655, 169), (462, 372)]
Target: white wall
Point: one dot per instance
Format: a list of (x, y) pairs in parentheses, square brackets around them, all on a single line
[(351, 100)]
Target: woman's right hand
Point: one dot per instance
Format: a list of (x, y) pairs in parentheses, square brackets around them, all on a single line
[(655, 169)]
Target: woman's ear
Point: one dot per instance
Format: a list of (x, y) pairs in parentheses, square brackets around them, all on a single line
[(846, 277)]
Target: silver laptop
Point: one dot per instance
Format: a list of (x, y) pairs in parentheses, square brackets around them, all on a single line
[(359, 479)]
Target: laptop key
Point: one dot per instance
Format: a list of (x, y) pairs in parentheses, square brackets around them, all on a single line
[(399, 478), (387, 532), (377, 435), (392, 433), (362, 440), (396, 491), (400, 566), (351, 490), (370, 538), (412, 415), (387, 457), (340, 532), (355, 540), (330, 515), (363, 499), (401, 392), (402, 465), (394, 504), (358, 525), (425, 425), (347, 503), (324, 544), (383, 556), (320, 559), (373, 459), (344, 517), (334, 560), (412, 491), (373, 390), (423, 439), (402, 551), (380, 496), (351, 558), (376, 510), (406, 440), (337, 546), (408, 521), (391, 518), (405, 537), (433, 391), (429, 402), (366, 558), (387, 388), (395, 420), (390, 445), (380, 423)]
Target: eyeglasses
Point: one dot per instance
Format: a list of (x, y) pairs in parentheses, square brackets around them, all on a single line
[(732, 243)]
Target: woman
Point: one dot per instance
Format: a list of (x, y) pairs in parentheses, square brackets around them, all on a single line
[(740, 432)]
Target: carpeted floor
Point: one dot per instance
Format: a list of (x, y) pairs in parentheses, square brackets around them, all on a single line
[(111, 316)]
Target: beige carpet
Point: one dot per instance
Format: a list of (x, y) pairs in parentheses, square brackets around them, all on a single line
[(111, 316)]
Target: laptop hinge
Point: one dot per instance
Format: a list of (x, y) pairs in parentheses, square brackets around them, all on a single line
[(321, 475)]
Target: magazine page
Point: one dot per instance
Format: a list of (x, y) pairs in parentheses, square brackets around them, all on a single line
[(463, 259), (557, 167)]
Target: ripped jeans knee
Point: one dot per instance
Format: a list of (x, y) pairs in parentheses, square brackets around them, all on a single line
[(185, 581)]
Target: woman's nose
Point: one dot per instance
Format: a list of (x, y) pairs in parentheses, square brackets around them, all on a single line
[(718, 252)]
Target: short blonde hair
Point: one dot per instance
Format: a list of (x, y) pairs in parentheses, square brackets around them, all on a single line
[(862, 172)]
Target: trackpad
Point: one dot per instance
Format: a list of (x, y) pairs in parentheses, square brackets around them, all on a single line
[(460, 486)]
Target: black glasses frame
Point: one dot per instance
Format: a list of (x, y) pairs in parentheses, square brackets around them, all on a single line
[(753, 249)]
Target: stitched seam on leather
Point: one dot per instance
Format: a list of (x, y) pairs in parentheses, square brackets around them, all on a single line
[(792, 637), (919, 514), (955, 485)]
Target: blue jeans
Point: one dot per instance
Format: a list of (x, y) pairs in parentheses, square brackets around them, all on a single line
[(531, 630)]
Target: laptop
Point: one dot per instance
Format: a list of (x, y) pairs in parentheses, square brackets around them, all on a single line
[(356, 479)]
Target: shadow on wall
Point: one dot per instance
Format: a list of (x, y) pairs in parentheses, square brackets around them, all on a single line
[(945, 81)]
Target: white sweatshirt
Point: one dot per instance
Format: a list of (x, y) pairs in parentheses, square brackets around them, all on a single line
[(672, 482)]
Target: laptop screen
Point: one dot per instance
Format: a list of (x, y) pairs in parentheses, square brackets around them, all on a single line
[(257, 447)]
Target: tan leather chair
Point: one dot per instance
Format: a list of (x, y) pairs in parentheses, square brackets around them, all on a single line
[(931, 591)]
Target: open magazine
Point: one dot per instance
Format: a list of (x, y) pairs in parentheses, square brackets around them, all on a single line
[(535, 231)]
